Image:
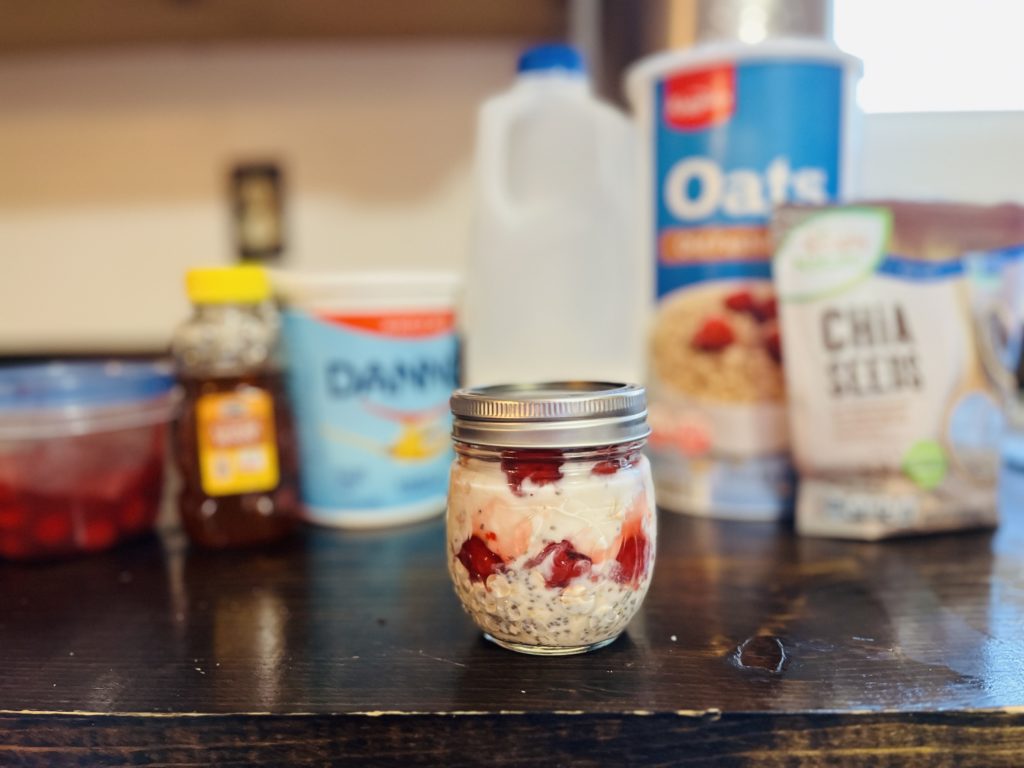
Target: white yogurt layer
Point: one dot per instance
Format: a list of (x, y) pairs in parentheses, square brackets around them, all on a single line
[(593, 512), (585, 508)]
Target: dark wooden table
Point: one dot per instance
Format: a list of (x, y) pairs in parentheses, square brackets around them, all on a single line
[(754, 647)]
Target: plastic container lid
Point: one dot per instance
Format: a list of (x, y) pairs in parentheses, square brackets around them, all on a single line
[(552, 56), (65, 398), (384, 290)]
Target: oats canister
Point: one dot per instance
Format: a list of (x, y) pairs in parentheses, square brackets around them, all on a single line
[(731, 131)]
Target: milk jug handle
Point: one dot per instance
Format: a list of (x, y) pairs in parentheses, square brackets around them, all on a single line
[(610, 164), (492, 156)]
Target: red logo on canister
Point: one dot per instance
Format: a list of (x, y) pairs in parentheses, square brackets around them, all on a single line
[(701, 99)]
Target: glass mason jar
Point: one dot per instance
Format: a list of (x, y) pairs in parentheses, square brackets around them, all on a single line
[(551, 524)]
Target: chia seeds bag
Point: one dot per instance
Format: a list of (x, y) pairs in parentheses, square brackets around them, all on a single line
[(894, 425)]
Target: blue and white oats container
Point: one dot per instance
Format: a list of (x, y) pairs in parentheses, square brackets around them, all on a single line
[(371, 362), (730, 130)]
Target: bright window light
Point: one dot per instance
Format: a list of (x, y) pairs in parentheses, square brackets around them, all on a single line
[(935, 55)]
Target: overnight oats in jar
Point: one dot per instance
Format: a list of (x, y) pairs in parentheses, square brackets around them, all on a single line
[(551, 524)]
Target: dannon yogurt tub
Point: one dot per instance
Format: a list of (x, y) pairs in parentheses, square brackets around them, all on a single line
[(371, 362)]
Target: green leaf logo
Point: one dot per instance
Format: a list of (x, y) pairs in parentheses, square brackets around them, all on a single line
[(830, 252)]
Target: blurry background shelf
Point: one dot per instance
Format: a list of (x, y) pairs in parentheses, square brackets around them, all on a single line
[(49, 25)]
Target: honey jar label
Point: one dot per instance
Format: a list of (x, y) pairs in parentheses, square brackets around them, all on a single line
[(237, 444)]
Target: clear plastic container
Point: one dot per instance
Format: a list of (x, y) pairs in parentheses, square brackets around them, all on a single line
[(82, 449), (556, 288), (551, 518)]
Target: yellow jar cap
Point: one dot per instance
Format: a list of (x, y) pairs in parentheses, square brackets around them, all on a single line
[(242, 283)]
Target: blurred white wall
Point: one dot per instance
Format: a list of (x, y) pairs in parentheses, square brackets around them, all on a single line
[(113, 172), (974, 157)]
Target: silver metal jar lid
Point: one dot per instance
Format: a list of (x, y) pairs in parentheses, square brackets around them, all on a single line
[(561, 414)]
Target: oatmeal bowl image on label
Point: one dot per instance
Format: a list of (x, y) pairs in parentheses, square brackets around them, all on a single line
[(716, 349), (551, 525), (718, 409)]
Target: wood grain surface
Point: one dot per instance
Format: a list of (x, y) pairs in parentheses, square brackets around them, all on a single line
[(754, 647)]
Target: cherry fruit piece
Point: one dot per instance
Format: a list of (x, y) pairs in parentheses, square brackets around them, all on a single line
[(714, 334), (606, 467), (773, 343), (566, 563), (52, 530), (766, 309), (740, 301), (539, 466), (98, 533), (478, 559), (632, 559)]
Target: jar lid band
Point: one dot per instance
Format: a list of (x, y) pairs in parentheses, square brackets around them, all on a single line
[(563, 414)]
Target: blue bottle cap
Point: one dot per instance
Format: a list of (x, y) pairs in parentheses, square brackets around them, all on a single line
[(552, 56)]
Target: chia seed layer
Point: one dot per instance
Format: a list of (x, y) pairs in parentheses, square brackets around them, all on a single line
[(516, 606)]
